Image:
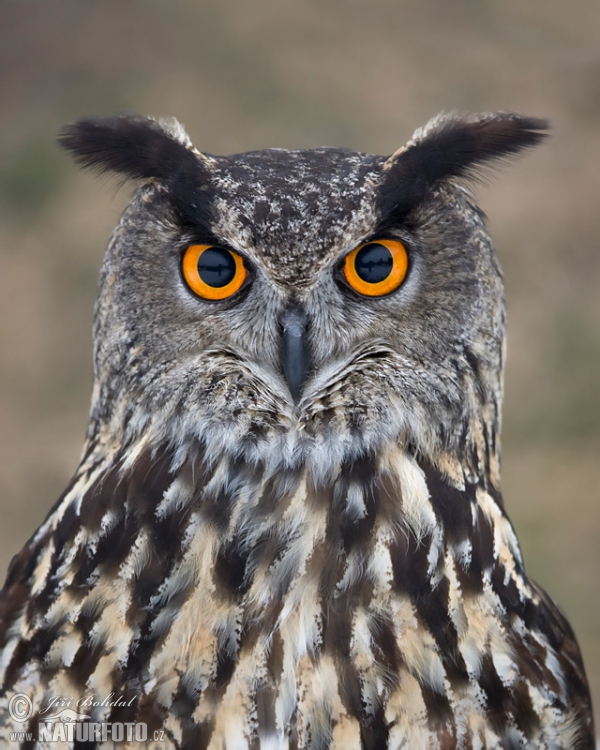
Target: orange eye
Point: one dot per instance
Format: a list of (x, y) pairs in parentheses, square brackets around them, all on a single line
[(212, 272), (376, 268)]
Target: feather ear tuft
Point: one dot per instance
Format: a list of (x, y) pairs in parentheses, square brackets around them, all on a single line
[(140, 148), (137, 147), (452, 147)]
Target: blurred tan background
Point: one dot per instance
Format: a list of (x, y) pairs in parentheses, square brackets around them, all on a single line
[(293, 73)]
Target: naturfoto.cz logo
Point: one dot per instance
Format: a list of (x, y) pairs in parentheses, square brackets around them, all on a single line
[(65, 720)]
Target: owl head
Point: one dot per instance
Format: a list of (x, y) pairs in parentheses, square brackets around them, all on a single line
[(301, 306)]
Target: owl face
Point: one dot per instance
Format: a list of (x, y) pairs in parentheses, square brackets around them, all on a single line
[(314, 341)]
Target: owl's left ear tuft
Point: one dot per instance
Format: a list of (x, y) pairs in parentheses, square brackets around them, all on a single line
[(453, 147)]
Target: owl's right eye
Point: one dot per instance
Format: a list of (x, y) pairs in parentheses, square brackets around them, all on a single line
[(212, 272)]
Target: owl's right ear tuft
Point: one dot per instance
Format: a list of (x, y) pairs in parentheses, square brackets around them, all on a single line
[(140, 148), (135, 147)]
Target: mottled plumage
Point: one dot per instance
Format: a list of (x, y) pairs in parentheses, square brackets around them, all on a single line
[(251, 570)]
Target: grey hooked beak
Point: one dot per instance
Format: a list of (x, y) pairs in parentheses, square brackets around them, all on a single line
[(294, 324)]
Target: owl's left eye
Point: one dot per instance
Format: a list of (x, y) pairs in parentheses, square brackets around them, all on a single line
[(376, 268), (213, 272)]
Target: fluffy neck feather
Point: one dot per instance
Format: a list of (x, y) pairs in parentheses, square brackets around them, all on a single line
[(214, 580)]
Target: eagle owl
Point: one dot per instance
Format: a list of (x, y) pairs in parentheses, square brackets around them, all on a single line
[(286, 528)]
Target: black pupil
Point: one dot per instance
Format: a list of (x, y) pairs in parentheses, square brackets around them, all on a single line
[(216, 267), (373, 263)]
